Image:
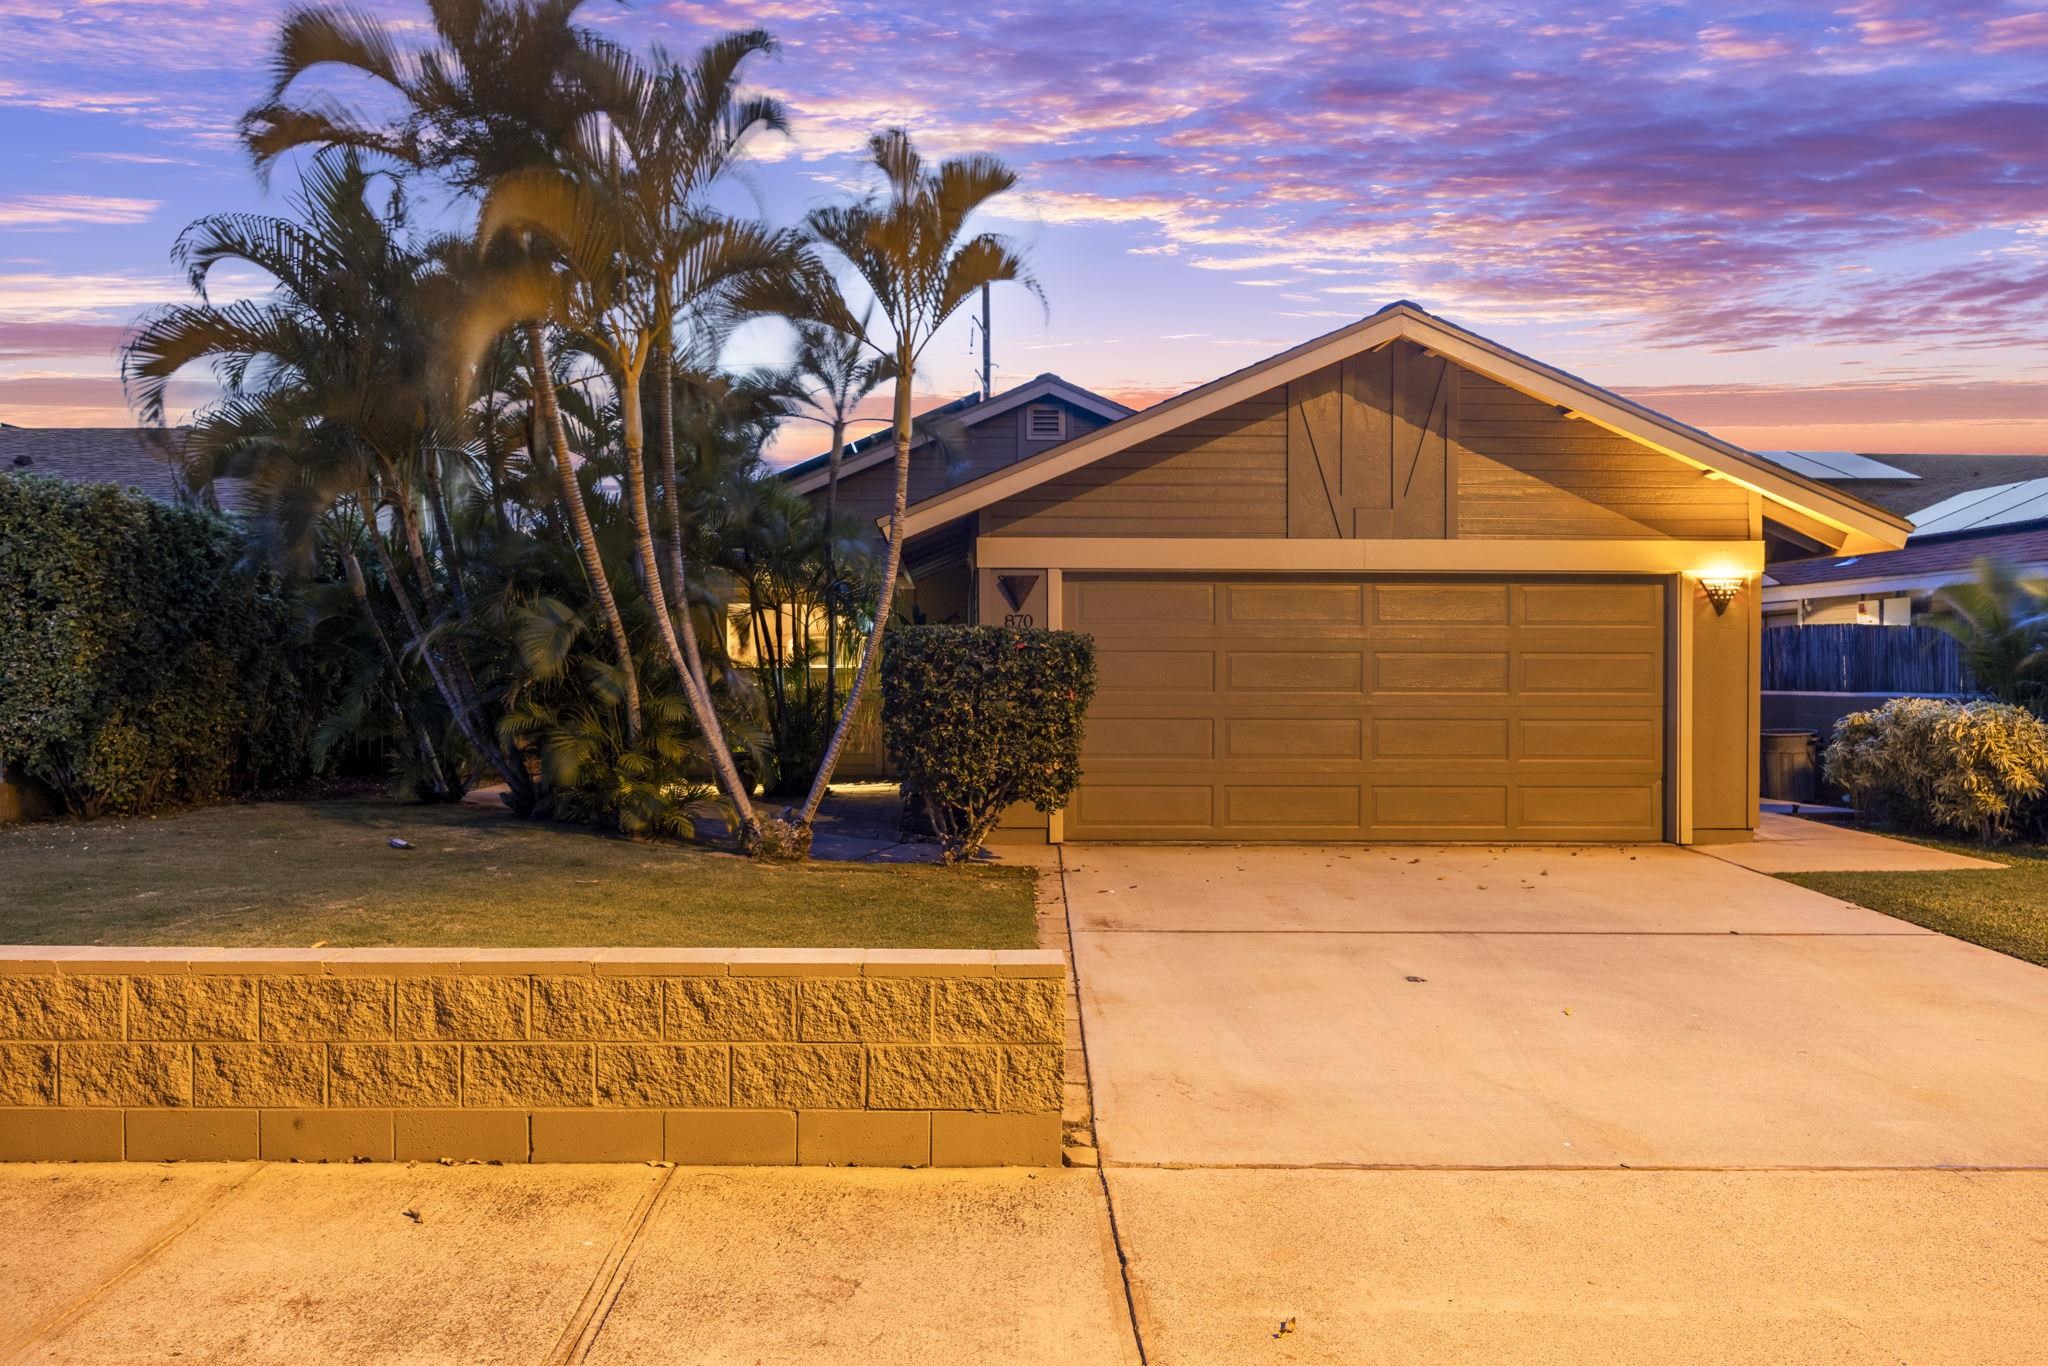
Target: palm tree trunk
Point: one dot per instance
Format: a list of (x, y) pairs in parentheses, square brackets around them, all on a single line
[(699, 697), (831, 566), (444, 784), (579, 519), (516, 780), (892, 564), (444, 531), (672, 497)]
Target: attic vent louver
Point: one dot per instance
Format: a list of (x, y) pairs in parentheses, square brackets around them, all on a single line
[(1044, 422), (22, 462)]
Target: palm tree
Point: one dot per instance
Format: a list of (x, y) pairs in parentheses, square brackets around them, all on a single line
[(2001, 622), (638, 247), (503, 85), (329, 398), (910, 247), (835, 372)]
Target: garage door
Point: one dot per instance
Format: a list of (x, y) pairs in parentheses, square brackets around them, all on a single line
[(1371, 709)]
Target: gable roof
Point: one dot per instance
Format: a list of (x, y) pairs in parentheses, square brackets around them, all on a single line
[(971, 410), (1862, 526)]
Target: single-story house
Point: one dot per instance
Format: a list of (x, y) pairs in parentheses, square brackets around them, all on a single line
[(1399, 583), (1963, 508), (952, 444)]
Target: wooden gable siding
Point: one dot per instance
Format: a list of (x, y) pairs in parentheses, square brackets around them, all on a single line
[(1389, 444), (1221, 475), (1368, 452), (963, 453), (1526, 471)]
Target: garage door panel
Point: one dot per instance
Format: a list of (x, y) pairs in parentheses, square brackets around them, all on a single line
[(1293, 737), (1437, 806), (1631, 676), (1602, 740), (1148, 601), (1287, 806), (1359, 708), (1435, 737), (1155, 670), (1326, 604), (1605, 604), (1142, 737), (1294, 670), (1582, 807), (1440, 604), (1477, 671), (1147, 807)]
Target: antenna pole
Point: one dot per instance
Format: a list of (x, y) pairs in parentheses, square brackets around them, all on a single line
[(987, 388)]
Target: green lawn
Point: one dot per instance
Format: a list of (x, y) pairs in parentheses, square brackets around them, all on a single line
[(2005, 910), (299, 873)]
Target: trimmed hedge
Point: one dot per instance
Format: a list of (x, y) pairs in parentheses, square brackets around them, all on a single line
[(980, 717), (1976, 768), (140, 668)]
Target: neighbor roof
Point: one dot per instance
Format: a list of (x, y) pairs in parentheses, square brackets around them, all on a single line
[(1834, 466), (972, 410), (1950, 557), (132, 457), (1981, 509), (1941, 477), (1862, 526)]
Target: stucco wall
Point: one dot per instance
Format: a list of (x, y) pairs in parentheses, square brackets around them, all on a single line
[(698, 1056)]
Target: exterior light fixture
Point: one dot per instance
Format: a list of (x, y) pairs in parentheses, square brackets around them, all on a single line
[(1721, 591)]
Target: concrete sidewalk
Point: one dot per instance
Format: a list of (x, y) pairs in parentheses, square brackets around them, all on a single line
[(386, 1263), (1791, 844)]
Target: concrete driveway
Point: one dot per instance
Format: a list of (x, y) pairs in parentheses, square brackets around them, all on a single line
[(1407, 1098)]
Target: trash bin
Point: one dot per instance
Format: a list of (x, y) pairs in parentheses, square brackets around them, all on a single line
[(1791, 770)]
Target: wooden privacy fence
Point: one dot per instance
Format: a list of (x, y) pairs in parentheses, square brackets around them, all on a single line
[(1863, 659)]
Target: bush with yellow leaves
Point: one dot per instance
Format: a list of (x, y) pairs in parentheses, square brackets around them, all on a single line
[(1968, 768)]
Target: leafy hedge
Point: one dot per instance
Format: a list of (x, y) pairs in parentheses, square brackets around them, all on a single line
[(1977, 768), (980, 717), (140, 668)]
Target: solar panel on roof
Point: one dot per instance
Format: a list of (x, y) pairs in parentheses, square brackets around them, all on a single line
[(1999, 505), (1827, 465)]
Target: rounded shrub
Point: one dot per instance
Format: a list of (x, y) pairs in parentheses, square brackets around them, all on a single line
[(978, 718), (1971, 768), (140, 667)]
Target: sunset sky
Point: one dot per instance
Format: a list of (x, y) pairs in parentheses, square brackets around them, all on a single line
[(1798, 225)]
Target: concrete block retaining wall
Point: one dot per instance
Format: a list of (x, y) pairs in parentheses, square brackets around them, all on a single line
[(699, 1056)]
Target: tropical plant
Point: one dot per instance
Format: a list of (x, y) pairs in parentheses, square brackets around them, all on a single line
[(142, 665), (637, 244), (1976, 768), (2000, 621), (910, 247), (834, 372), (330, 399)]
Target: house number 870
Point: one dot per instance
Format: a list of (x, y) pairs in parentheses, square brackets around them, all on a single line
[(1022, 619)]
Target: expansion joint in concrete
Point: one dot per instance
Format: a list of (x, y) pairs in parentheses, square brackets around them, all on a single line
[(1116, 1237)]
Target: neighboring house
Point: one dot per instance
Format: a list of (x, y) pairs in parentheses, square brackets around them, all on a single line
[(1963, 508), (952, 444), (143, 458), (1400, 583)]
